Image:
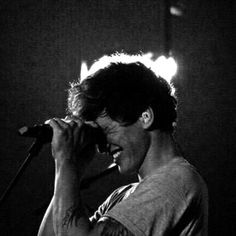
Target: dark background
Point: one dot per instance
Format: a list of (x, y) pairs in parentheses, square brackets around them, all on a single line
[(42, 44)]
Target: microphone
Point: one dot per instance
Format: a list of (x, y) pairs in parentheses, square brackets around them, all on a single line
[(43, 132)]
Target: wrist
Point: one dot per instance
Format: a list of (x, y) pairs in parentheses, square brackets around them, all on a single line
[(68, 169)]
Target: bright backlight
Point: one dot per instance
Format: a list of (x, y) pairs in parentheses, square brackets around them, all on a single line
[(165, 67), (162, 66)]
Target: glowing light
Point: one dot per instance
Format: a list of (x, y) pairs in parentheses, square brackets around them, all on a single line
[(162, 66), (83, 71), (165, 67), (176, 11)]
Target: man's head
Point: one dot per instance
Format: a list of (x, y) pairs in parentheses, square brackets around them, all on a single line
[(127, 100), (123, 91)]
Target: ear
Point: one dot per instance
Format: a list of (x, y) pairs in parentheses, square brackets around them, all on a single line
[(147, 118)]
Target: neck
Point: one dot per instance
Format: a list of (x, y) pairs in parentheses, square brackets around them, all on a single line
[(162, 150)]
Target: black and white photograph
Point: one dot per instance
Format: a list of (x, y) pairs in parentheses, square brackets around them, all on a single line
[(117, 118)]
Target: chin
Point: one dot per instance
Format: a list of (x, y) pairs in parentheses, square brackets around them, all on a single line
[(126, 171)]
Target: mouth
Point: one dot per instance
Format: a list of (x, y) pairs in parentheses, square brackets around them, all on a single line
[(115, 154)]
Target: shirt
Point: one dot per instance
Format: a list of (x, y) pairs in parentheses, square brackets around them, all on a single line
[(171, 201)]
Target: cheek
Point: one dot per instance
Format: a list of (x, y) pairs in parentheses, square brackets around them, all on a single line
[(138, 144)]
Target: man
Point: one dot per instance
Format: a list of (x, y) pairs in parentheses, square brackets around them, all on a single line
[(136, 111)]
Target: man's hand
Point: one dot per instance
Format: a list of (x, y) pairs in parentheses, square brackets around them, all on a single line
[(65, 135), (73, 146), (72, 141)]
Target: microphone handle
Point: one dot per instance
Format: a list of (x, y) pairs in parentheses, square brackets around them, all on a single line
[(43, 132)]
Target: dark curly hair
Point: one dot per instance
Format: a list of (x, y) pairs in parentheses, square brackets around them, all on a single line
[(123, 91)]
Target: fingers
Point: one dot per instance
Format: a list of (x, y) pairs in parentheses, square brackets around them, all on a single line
[(58, 123), (65, 124), (62, 129), (68, 119), (63, 138), (71, 140)]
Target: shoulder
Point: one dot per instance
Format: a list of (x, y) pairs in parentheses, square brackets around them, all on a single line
[(188, 177), (124, 188), (179, 171), (115, 197), (186, 182), (108, 227), (178, 179), (118, 194)]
